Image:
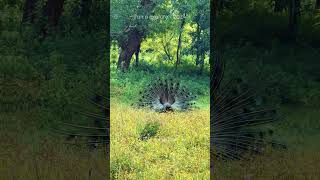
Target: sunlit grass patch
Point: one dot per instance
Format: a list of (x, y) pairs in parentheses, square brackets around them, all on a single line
[(179, 149)]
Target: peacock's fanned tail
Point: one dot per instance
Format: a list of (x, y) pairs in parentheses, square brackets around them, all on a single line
[(166, 95), (94, 131), (91, 126), (237, 121)]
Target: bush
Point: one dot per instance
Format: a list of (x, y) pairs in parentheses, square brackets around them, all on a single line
[(150, 130)]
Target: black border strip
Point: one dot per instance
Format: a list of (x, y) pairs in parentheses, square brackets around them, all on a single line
[(108, 86), (213, 51)]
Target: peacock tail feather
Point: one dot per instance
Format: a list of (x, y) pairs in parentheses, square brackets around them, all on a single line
[(237, 121), (90, 112), (166, 95)]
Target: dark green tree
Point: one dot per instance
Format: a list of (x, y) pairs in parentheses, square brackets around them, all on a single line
[(294, 14), (201, 41), (29, 11), (129, 25)]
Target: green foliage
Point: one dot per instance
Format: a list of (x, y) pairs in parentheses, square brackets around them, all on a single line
[(126, 86), (41, 79), (121, 13), (149, 130), (49, 75), (161, 29), (120, 164), (286, 74)]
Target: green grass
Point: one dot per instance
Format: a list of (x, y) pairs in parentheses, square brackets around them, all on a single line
[(173, 145), (28, 151), (301, 126), (125, 87), (178, 150), (179, 146), (300, 132)]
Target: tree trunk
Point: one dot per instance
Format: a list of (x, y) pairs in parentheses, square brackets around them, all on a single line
[(128, 47), (179, 41), (137, 55), (197, 41), (85, 9), (53, 10), (28, 11), (167, 51), (85, 6), (201, 64), (131, 38), (220, 4), (294, 13), (279, 5), (317, 4)]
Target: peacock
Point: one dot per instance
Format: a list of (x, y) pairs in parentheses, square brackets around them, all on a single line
[(166, 95), (237, 121)]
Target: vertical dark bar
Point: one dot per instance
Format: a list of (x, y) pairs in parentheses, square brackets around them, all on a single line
[(108, 87), (213, 50)]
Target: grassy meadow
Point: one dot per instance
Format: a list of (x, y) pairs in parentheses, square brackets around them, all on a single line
[(178, 150), (151, 145), (28, 152), (47, 74), (286, 77), (300, 132), (179, 143)]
